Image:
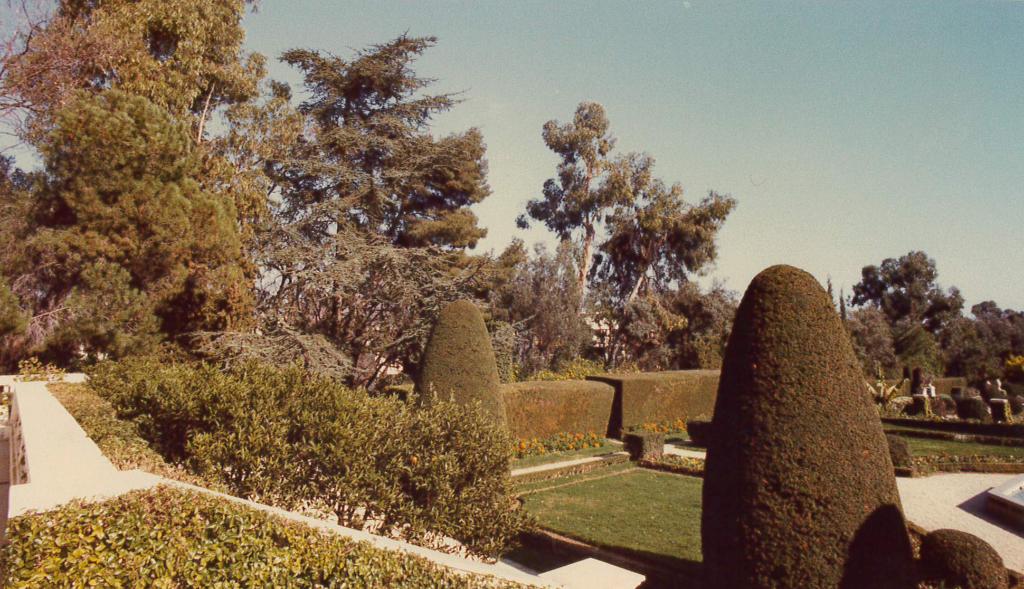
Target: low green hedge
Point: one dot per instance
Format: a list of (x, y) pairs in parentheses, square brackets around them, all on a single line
[(118, 439), (542, 409), (1013, 430), (168, 537), (658, 397), (295, 440)]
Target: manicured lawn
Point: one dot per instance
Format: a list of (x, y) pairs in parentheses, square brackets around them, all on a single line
[(606, 448), (639, 512)]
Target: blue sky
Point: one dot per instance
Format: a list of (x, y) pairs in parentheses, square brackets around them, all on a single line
[(849, 132)]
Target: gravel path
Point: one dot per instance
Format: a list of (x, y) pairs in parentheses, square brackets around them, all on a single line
[(958, 501)]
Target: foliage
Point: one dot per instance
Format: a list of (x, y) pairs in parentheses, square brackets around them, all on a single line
[(287, 347), (168, 537), (368, 159), (699, 432), (656, 238), (584, 189), (962, 560), (12, 318), (783, 506), (644, 445), (899, 451), (542, 409), (296, 440), (542, 302), (373, 301), (576, 369), (1014, 368), (119, 440), (458, 363), (916, 348), (905, 289), (563, 442), (121, 210), (872, 340), (32, 369)]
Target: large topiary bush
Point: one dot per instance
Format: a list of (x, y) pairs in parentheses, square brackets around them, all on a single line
[(799, 488), (458, 362), (962, 560)]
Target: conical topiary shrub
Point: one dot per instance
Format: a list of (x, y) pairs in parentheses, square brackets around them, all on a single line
[(458, 362), (799, 489)]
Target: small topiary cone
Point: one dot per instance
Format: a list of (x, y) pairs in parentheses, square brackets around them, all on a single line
[(799, 489), (458, 362)]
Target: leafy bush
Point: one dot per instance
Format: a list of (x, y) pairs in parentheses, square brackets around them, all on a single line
[(299, 441), (576, 369), (899, 452), (172, 538), (563, 442), (962, 560), (33, 369), (119, 440)]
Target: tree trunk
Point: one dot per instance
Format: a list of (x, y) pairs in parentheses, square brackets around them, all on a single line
[(585, 261)]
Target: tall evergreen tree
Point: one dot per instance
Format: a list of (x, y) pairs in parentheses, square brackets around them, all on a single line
[(368, 158)]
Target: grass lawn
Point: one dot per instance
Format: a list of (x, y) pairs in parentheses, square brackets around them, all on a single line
[(930, 447), (606, 448), (640, 512)]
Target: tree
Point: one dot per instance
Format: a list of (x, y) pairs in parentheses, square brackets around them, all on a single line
[(12, 318), (873, 342), (120, 188), (906, 289), (657, 238), (541, 301), (574, 202), (183, 55), (374, 301), (367, 158)]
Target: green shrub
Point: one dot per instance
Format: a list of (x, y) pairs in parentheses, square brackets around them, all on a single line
[(962, 560), (577, 369), (973, 408), (799, 488), (699, 432), (899, 452), (655, 397), (300, 441), (167, 537), (538, 409), (118, 439), (644, 445), (458, 362)]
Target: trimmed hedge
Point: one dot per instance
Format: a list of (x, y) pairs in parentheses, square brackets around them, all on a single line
[(962, 560), (168, 537), (644, 445), (657, 397), (799, 488), (542, 409), (458, 362), (1012, 430), (899, 452)]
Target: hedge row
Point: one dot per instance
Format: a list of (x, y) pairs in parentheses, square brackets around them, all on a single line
[(542, 409), (655, 397), (168, 537), (1013, 430)]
